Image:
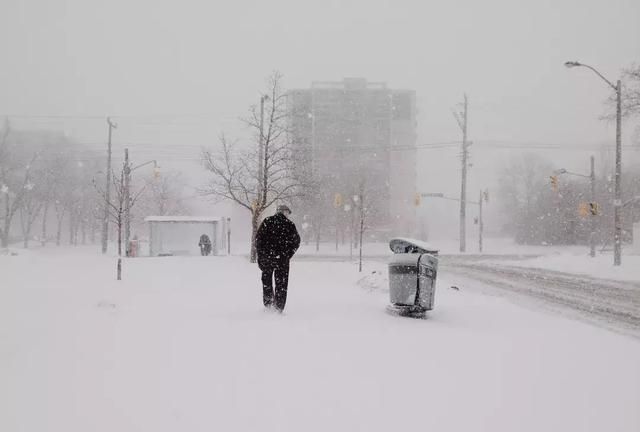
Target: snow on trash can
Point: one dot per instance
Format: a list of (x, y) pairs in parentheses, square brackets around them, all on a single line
[(413, 269)]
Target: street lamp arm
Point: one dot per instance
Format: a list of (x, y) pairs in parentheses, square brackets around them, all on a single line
[(143, 164), (575, 63), (576, 174), (601, 76), (441, 196)]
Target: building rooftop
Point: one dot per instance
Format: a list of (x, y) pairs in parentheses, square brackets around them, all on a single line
[(183, 218), (349, 84)]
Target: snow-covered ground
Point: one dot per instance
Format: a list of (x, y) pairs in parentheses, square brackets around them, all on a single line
[(184, 344)]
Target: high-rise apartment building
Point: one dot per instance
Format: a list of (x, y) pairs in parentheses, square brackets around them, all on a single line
[(356, 135)]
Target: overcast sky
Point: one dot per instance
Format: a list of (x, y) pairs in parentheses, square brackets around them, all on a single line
[(128, 57), (204, 62)]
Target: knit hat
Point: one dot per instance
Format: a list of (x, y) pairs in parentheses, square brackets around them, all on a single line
[(283, 208)]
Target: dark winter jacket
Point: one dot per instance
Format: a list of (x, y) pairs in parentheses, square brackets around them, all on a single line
[(276, 241), (204, 240)]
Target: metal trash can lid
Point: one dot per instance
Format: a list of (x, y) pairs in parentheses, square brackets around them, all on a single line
[(401, 245), (404, 260)]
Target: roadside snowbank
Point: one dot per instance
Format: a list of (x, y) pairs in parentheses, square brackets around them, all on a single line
[(600, 266)]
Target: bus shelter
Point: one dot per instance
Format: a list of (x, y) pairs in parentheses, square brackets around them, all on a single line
[(179, 235)]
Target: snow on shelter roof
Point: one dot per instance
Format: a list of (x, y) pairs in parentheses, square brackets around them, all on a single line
[(183, 218)]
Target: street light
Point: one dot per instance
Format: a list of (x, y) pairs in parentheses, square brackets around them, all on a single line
[(359, 204), (617, 201)]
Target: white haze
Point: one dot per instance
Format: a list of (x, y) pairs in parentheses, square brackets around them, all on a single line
[(178, 73)]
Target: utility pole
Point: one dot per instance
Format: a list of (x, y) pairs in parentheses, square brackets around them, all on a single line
[(480, 222), (617, 203), (361, 231), (127, 202), (462, 122), (107, 193), (592, 237)]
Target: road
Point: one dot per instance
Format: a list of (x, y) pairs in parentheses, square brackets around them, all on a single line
[(612, 304)]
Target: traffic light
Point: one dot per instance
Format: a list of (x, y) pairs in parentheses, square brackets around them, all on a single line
[(485, 195), (417, 200), (594, 208), (583, 209), (554, 182)]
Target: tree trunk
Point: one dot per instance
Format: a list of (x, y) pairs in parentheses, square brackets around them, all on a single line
[(76, 230), (28, 217), (119, 235), (119, 269), (59, 230), (43, 239), (71, 226), (5, 236), (7, 224), (255, 218), (24, 226), (92, 231)]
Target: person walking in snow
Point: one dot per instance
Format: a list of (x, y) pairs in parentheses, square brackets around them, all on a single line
[(276, 242)]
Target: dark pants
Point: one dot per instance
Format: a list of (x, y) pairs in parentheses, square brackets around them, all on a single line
[(281, 271)]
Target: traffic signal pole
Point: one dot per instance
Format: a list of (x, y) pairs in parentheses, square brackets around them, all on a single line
[(592, 237), (481, 223), (484, 196), (591, 208)]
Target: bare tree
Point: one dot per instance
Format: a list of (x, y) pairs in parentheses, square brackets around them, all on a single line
[(257, 177), (30, 207), (40, 170), (165, 195), (631, 91), (116, 206), (16, 186), (630, 95)]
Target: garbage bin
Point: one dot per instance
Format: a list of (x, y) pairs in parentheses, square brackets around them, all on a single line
[(132, 251), (412, 277)]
